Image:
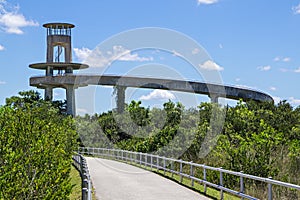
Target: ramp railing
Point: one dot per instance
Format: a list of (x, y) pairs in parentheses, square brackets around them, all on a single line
[(188, 170), (80, 164)]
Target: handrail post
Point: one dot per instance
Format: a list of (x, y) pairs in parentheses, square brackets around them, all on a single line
[(192, 174), (204, 178), (180, 171), (157, 162), (164, 165), (242, 189), (172, 168), (151, 161), (221, 184), (146, 160), (270, 195), (140, 158)]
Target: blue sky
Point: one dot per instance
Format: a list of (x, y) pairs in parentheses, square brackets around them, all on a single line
[(253, 43)]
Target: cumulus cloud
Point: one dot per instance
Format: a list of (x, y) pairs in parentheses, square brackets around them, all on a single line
[(211, 66), (297, 70), (206, 1), (11, 21), (285, 59), (296, 9), (195, 51), (158, 94), (97, 58), (294, 101), (276, 99), (1, 47), (2, 82), (264, 68), (273, 88)]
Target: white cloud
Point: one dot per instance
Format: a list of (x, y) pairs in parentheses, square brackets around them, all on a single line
[(82, 54), (11, 21), (237, 79), (206, 1), (277, 59), (195, 51), (285, 59), (96, 58), (220, 46), (294, 102), (211, 66), (276, 99), (158, 94), (135, 57), (1, 47), (2, 82), (264, 68), (296, 9), (273, 88), (297, 70)]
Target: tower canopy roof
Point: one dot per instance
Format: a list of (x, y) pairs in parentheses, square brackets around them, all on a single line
[(58, 25)]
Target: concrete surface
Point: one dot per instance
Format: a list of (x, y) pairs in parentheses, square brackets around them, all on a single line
[(113, 180)]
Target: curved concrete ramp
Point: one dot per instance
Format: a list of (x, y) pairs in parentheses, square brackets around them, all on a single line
[(113, 180)]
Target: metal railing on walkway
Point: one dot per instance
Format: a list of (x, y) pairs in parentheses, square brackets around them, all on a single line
[(80, 164), (167, 165)]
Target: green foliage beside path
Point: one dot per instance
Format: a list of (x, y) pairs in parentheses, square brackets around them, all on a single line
[(36, 145)]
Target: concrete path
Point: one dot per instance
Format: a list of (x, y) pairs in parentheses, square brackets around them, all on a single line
[(113, 180)]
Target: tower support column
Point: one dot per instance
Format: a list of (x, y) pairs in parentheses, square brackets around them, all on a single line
[(120, 98), (70, 95), (213, 98), (48, 93)]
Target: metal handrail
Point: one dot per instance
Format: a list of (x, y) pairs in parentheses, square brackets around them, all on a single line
[(80, 164), (160, 163)]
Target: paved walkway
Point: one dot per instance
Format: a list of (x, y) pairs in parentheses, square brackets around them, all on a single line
[(114, 180)]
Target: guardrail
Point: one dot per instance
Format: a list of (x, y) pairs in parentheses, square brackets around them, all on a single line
[(167, 165), (80, 164)]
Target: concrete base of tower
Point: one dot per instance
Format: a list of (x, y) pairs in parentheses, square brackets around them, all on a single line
[(48, 93), (214, 98), (70, 95)]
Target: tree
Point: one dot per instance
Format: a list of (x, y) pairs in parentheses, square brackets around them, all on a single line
[(36, 147)]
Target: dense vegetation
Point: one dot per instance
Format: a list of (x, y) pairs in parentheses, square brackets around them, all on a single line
[(36, 144), (37, 139), (261, 139)]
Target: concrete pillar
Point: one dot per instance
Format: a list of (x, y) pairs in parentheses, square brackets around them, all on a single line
[(70, 95), (120, 98), (213, 98), (49, 71), (48, 93)]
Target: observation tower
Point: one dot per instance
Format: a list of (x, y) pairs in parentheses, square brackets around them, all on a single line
[(59, 63)]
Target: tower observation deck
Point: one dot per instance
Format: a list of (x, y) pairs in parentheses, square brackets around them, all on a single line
[(59, 62)]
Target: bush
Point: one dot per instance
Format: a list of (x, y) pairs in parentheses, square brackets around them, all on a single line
[(36, 145)]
